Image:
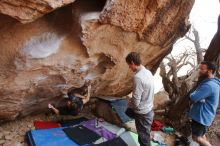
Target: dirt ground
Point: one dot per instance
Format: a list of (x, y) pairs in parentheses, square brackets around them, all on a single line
[(214, 131)]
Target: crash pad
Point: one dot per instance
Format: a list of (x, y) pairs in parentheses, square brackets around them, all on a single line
[(81, 135), (45, 124), (114, 142), (131, 139), (120, 107), (29, 139), (95, 125), (73, 122), (50, 137)]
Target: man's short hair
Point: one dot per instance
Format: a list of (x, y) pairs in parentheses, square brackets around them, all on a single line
[(209, 65), (133, 57)]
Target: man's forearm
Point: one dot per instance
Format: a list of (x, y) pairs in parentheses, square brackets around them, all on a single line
[(79, 95), (56, 110)]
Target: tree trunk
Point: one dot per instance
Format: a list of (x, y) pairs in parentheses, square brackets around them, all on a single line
[(197, 46), (213, 52)]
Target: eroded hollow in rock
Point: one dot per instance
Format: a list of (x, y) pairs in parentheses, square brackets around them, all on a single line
[(103, 63)]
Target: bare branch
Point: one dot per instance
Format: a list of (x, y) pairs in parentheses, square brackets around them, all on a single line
[(183, 57), (188, 38), (192, 65)]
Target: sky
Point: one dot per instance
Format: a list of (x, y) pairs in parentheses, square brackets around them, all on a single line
[(203, 17)]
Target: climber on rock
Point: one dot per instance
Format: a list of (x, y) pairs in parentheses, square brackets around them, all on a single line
[(76, 99)]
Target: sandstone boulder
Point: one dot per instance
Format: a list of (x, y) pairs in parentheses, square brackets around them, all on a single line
[(87, 40)]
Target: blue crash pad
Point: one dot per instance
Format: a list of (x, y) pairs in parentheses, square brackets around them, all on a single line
[(49, 137), (120, 107)]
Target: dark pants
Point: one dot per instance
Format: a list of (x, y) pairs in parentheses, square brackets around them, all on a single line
[(198, 129), (143, 125)]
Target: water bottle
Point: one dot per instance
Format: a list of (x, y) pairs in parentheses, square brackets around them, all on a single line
[(168, 129)]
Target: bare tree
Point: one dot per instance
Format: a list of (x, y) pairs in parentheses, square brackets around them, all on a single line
[(173, 86), (169, 73), (177, 111), (195, 39)]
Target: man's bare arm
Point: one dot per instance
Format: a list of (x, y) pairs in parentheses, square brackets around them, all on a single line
[(79, 95)]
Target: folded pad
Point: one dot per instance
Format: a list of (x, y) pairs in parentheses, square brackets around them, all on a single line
[(81, 135), (114, 142), (45, 124), (130, 138), (29, 138)]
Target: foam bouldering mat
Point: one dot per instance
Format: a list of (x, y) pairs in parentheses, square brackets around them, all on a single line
[(114, 142), (108, 114), (115, 108), (81, 135), (130, 138), (29, 138), (49, 137), (73, 122), (120, 107), (45, 124), (111, 127), (95, 126)]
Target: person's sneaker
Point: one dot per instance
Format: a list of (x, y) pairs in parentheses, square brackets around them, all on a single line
[(181, 141), (185, 140)]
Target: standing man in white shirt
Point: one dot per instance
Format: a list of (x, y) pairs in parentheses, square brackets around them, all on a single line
[(141, 102)]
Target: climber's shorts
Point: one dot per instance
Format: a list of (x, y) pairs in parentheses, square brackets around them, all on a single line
[(198, 129)]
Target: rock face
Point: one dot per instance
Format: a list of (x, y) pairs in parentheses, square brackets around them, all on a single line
[(87, 40), (161, 100), (213, 51), (28, 10)]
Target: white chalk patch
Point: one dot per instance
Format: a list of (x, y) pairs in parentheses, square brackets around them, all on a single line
[(108, 5), (89, 16), (61, 86), (43, 46), (19, 64), (84, 68), (90, 76), (40, 78)]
